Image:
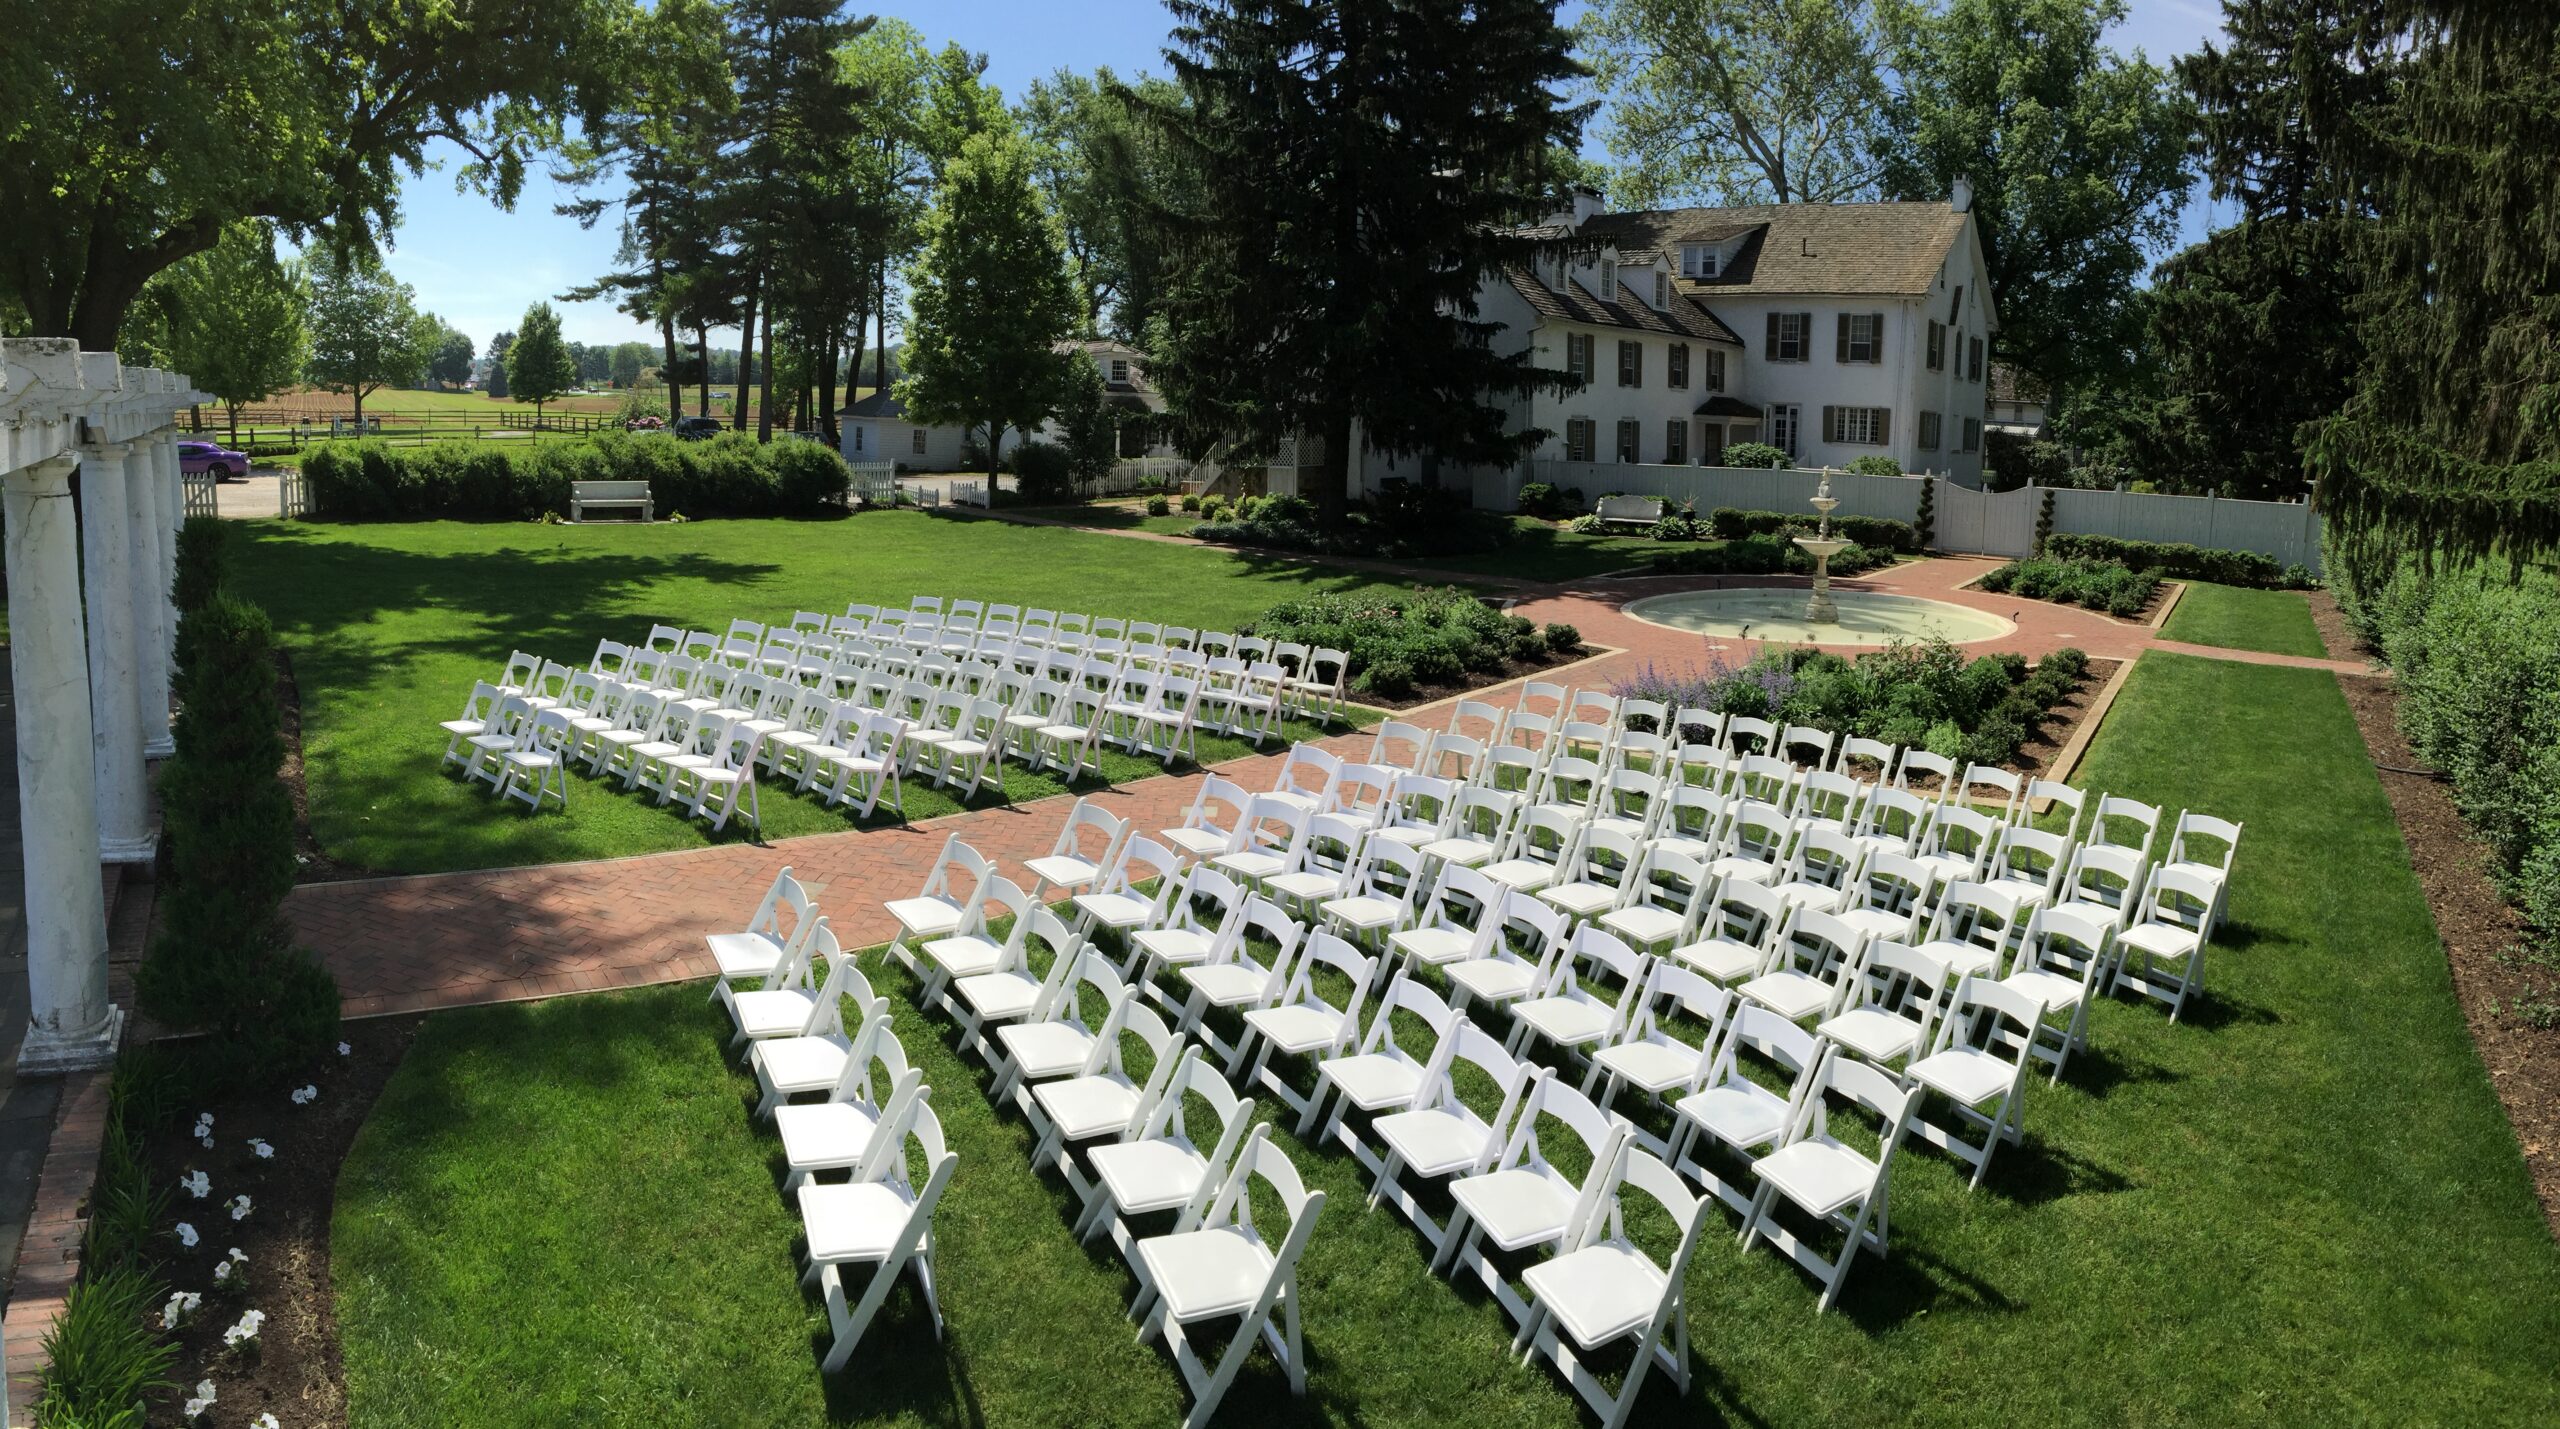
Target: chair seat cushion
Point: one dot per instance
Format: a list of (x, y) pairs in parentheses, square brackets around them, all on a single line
[(858, 1221), (1086, 1107), (1115, 910), (1372, 1080), (1749, 870), (1198, 843), (2160, 940), (1965, 1074), (1295, 1029), (1566, 1021), (1521, 875), (1045, 1049), (1433, 946), (1517, 1208), (1791, 995), (1464, 852), (1583, 900), (1062, 871), (1364, 912), (924, 917), (1820, 1176), (1877, 1036), (1434, 1143), (1227, 984), (1740, 1114), (745, 955), (1598, 1293), (1649, 1066), (822, 1136), (1494, 979), (1721, 959), (799, 1064), (1205, 1273), (1878, 923), (964, 957), (1143, 1176), (999, 997), (781, 1012), (1308, 886), (1174, 945), (1644, 923), (2057, 992)]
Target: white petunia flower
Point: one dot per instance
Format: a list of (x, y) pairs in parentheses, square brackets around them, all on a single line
[(222, 1273), (203, 1401), (245, 1331), (264, 1151), (238, 1256), (186, 1235), (181, 1305), (204, 1122), (344, 1050), (198, 1185), (306, 1094), (265, 1421), (239, 1207)]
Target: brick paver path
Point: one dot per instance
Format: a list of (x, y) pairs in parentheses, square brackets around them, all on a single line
[(447, 940)]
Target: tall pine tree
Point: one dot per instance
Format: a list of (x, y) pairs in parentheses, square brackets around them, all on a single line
[(2450, 444), (1363, 165)]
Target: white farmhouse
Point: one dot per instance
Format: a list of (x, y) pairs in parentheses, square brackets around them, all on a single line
[(1831, 331)]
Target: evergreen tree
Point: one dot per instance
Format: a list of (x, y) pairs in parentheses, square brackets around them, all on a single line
[(990, 299), (1363, 165), (2449, 446), (496, 386), (539, 366)]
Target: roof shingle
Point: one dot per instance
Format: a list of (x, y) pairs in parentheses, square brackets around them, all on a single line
[(1844, 248), (1686, 318)]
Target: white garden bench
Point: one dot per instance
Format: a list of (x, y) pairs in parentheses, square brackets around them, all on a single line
[(583, 494), (1628, 510)]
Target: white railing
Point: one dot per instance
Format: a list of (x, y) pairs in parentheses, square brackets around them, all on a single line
[(1128, 476), (969, 493), (875, 483), (293, 494), (200, 488)]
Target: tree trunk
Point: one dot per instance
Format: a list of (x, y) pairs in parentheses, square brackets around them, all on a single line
[(880, 285), (235, 424), (746, 358), (1334, 484), (359, 392), (764, 383), (853, 354), (675, 390), (827, 387), (702, 355), (995, 461)]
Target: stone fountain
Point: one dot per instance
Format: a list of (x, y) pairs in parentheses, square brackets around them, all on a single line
[(1822, 547)]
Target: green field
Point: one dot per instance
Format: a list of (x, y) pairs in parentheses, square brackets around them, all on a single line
[(2300, 1205), (2236, 618), (388, 625)]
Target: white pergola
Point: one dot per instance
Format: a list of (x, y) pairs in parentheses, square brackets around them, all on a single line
[(90, 624)]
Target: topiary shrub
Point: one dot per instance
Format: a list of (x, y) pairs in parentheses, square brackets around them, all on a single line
[(1543, 499), (1755, 454), (224, 961), (1561, 637), (1190, 502), (1158, 506), (2044, 522), (1924, 525)]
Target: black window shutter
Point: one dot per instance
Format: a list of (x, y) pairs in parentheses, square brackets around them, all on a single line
[(1841, 353), (1831, 424), (1773, 337), (1875, 354), (1884, 426)]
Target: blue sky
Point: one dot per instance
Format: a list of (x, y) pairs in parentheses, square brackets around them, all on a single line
[(480, 268)]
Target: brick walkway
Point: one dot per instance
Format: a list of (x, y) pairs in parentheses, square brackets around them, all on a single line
[(447, 940)]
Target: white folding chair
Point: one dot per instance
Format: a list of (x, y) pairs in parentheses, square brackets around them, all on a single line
[(1087, 844), (2123, 823), (841, 1132), (1522, 1200), (1978, 1060), (708, 786), (863, 763), (1217, 1265), (882, 1219), (1758, 838), (1479, 826), (1266, 840), (1437, 1135), (1060, 1034), (1380, 1074), (1014, 989), (1163, 1165), (2107, 881), (2204, 845), (1302, 1021), (1238, 978), (1589, 992), (815, 1060), (1602, 877), (754, 952), (2160, 951), (1831, 1180), (1731, 939), (1604, 1287), (1505, 974), (956, 884), (2029, 863), (1378, 897), (1811, 965), (1892, 1007), (1729, 1108), (1542, 847), (1209, 827), (1649, 1053), (1105, 1096), (1975, 929), (1119, 901), (1201, 917), (477, 711), (975, 948), (1306, 776), (801, 999), (1665, 898), (538, 767), (2059, 964)]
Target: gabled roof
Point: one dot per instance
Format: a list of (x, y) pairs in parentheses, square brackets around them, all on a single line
[(882, 405), (1685, 318), (1888, 249), (1723, 405)]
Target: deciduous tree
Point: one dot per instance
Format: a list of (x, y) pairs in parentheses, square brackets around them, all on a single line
[(539, 367), (365, 330), (989, 297), (235, 318)]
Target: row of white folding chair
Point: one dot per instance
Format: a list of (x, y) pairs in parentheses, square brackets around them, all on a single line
[(503, 740)]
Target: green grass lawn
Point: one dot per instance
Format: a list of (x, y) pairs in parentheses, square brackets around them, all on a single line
[(388, 625), (2238, 618), (2302, 1205)]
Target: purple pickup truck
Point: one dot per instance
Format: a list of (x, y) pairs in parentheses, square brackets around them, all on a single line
[(224, 463)]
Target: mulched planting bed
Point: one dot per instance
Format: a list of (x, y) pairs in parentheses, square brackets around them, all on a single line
[(295, 1371), (2482, 932)]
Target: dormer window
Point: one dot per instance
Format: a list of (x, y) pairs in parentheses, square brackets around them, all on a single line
[(1608, 278), (1661, 290), (1697, 260), (1119, 372)]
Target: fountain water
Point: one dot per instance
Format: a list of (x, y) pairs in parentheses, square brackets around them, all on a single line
[(1822, 547)]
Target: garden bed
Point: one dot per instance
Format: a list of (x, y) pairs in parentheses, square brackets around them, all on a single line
[(296, 1372)]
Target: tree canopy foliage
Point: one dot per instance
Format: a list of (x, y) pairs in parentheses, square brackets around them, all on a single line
[(231, 318), (366, 330), (539, 367)]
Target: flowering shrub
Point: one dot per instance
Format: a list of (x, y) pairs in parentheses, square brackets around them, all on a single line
[(2111, 586), (1924, 695), (1428, 636)]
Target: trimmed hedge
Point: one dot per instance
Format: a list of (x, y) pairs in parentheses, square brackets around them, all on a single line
[(1764, 555), (729, 475), (1400, 520), (1925, 695), (1424, 636), (2110, 586), (1881, 532), (2181, 561)]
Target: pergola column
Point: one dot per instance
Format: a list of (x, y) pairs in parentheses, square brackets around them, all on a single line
[(115, 696), (147, 533), (73, 1024)]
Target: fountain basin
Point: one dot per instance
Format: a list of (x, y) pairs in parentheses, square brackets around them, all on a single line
[(1778, 613)]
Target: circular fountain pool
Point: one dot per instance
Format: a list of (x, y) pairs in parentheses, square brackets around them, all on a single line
[(1777, 613)]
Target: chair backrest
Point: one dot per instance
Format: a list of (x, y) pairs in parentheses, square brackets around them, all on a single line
[(876, 1072), (1592, 707), (1896, 884), (1326, 949), (1334, 845), (1821, 945), (1997, 789), (783, 908), (1168, 1118), (959, 875), (1092, 833), (1956, 831), (1546, 834), (1417, 1000), (664, 639), (1992, 1018), (1672, 989), (2181, 896), (1399, 746), (1761, 831), (1744, 912), (1901, 981), (1090, 982), (1272, 825), (1638, 1170), (1480, 1050), (1858, 751), (1608, 857), (1827, 855), (1671, 880), (1308, 771), (1571, 778), (1260, 1160), (1746, 735), (1899, 815), (1768, 779), (1513, 768), (1691, 724), (1542, 697), (1831, 797), (1546, 929), (1920, 763), (1805, 745), (1455, 757), (1361, 791), (1267, 922), (2030, 855), (1420, 801), (1004, 898), (1527, 729), (2052, 792), (1141, 860), (1465, 898), (1485, 814), (1479, 720), (1772, 1040), (2071, 942), (1697, 813), (2123, 823), (1598, 968), (482, 703), (1885, 1100), (1218, 794), (2204, 841), (1978, 915), (1200, 884)]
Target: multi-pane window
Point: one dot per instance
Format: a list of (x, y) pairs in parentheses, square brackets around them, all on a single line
[(1675, 441), (1937, 346), (1973, 362), (1858, 426), (857, 436), (1697, 260), (1861, 337), (1789, 335), (1577, 355), (1578, 436), (1630, 364), (1928, 431), (919, 441), (1608, 280), (1661, 289), (1679, 363), (1120, 371), (1972, 435), (1785, 420), (1630, 439), (1715, 369)]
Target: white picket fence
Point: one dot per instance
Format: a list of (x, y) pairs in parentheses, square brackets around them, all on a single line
[(200, 500), (1995, 523), (875, 483), (293, 493)]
